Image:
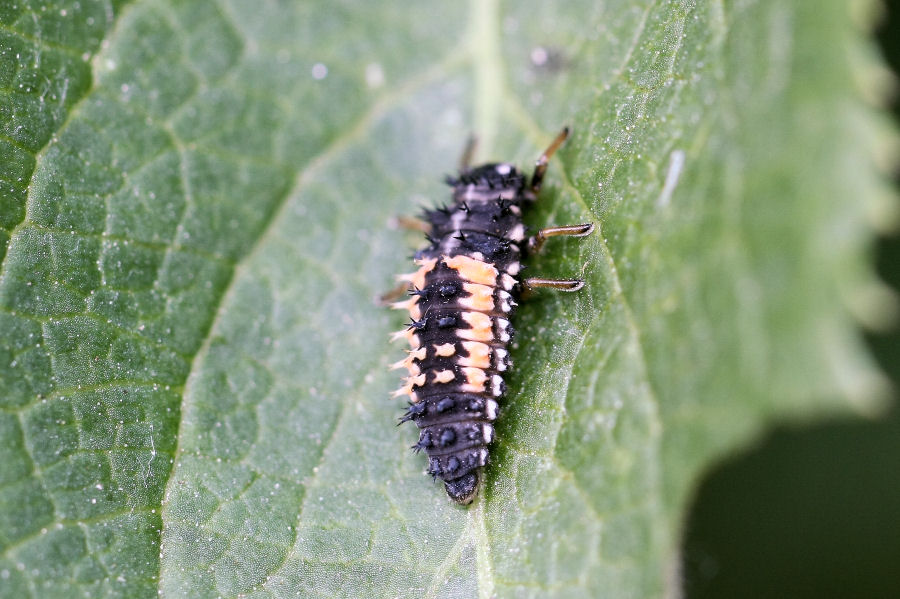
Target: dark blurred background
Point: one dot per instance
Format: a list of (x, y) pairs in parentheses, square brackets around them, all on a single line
[(810, 512)]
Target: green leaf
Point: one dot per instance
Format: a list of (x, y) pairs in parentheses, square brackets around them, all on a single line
[(195, 201)]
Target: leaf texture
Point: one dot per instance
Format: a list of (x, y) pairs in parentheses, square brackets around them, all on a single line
[(195, 201)]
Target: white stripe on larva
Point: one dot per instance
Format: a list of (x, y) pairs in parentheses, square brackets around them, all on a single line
[(497, 385), (502, 327), (500, 359), (490, 409)]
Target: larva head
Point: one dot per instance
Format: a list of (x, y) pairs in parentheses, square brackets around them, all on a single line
[(497, 175), (488, 182), (462, 490)]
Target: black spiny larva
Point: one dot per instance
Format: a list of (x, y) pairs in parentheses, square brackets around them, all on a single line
[(461, 299)]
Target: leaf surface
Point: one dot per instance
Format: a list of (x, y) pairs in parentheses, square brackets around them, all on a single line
[(195, 202)]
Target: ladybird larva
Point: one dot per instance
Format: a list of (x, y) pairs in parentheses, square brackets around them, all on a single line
[(462, 298)]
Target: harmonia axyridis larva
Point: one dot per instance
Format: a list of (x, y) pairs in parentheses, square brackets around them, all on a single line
[(462, 297)]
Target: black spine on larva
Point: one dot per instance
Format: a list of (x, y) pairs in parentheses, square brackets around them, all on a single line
[(484, 223)]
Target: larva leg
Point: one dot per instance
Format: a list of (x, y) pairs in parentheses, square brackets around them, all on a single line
[(466, 159), (558, 284), (394, 294), (541, 166), (535, 243), (411, 224)]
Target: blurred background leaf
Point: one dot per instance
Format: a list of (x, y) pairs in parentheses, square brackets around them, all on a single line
[(195, 199), (811, 511)]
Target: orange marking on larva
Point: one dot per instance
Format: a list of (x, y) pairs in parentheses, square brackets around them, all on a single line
[(405, 304), (409, 335), (481, 327), (410, 305), (475, 380), (444, 376), (402, 391), (479, 355), (407, 390), (401, 334), (481, 297), (407, 363), (415, 380), (473, 270), (417, 278), (445, 350)]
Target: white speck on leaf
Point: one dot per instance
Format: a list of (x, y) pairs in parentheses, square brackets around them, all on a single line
[(374, 75), (539, 56), (676, 164)]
